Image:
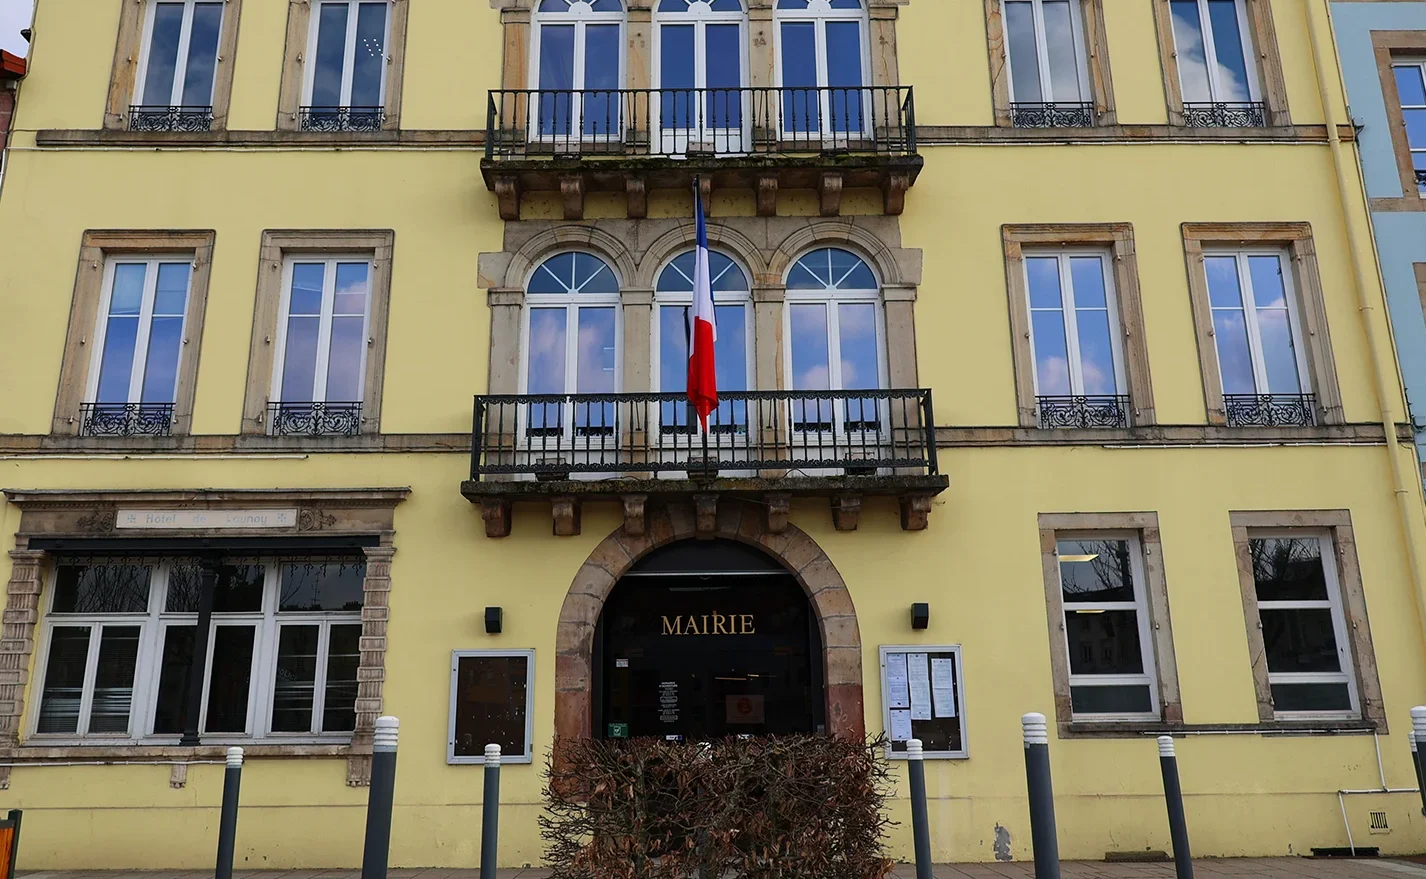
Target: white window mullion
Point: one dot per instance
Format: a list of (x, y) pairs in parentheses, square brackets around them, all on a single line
[(1071, 318), (91, 672), (180, 65), (1250, 321), (1210, 50), (349, 53), (319, 676), (1042, 50), (141, 339), (324, 331)]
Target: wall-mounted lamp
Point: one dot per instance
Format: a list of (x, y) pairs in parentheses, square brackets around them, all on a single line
[(920, 615), (494, 620)]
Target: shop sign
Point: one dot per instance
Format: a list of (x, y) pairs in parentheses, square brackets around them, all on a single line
[(710, 624), (205, 519)]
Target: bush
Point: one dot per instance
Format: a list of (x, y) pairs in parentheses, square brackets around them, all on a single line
[(764, 808)]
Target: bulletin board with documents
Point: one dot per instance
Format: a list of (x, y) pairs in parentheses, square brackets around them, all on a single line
[(922, 697)]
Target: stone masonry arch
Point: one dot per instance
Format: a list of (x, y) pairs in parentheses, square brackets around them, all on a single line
[(735, 520)]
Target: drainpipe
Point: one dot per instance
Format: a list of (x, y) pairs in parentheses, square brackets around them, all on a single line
[(1406, 484)]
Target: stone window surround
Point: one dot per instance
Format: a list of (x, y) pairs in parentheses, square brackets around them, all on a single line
[(129, 46), (1263, 36), (638, 249), (1387, 47), (1296, 238), (91, 514), (1101, 83), (96, 248), (1146, 525), (515, 17), (1118, 238), (277, 246), (294, 58), (1354, 604)]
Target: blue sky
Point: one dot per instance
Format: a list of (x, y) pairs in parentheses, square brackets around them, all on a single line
[(14, 15)]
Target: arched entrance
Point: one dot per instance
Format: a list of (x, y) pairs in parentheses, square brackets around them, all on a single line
[(797, 554), (703, 639)]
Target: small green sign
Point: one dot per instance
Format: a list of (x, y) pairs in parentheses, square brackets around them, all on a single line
[(618, 730)]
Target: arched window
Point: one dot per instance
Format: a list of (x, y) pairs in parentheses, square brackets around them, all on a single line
[(822, 65), (572, 344), (835, 339), (578, 67), (701, 71), (733, 352)]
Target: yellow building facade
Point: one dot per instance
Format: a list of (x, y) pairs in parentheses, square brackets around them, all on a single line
[(260, 256)]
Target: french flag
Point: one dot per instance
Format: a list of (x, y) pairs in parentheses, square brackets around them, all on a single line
[(702, 329)]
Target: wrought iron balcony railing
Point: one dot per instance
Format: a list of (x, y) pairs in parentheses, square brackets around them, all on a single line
[(1051, 115), (125, 419), (1083, 411), (1270, 410), (314, 419), (704, 121), (160, 118), (1420, 179), (341, 118), (553, 436), (1225, 114)]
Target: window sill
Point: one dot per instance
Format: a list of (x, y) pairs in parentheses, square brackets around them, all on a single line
[(80, 137), (1141, 729), (39, 752)]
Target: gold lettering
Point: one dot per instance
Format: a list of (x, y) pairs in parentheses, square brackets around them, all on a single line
[(706, 630), (674, 628), (719, 622), (748, 624), (692, 627)]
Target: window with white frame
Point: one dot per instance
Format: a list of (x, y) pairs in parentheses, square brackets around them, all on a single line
[(700, 74), (836, 340), (578, 63), (1217, 76), (322, 341), (1049, 75), (1075, 339), (1257, 333), (1107, 627), (822, 65), (177, 67), (345, 85), (1304, 630), (492, 703), (571, 345), (1411, 90), (117, 649), (133, 378), (733, 352)]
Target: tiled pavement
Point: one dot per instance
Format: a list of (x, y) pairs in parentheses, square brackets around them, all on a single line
[(1265, 868)]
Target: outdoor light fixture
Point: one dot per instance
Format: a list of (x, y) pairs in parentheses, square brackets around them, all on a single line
[(920, 615), (494, 620)]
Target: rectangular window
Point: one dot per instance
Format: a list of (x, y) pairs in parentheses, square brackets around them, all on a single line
[(1049, 77), (282, 656), (346, 79), (1075, 340), (1214, 52), (1411, 89), (923, 697), (175, 85), (492, 703), (321, 351), (137, 347)]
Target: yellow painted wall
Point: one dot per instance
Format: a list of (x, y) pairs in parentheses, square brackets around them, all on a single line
[(978, 565)]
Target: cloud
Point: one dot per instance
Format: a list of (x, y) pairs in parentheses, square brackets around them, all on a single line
[(14, 17)]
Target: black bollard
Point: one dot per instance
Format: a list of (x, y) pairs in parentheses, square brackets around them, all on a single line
[(1418, 758), (1416, 767), (1042, 797), (490, 812), (228, 821), (1178, 822), (377, 852), (920, 824)]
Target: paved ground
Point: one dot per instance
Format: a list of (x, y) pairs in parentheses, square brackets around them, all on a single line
[(1267, 868)]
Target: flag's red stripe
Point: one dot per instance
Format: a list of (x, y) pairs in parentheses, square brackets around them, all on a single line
[(702, 371)]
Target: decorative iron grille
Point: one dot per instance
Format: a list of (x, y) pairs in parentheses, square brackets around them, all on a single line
[(1225, 114), (125, 419), (159, 118), (701, 121), (853, 432), (1051, 115), (1270, 410), (341, 118), (1421, 178), (314, 419), (1083, 411)]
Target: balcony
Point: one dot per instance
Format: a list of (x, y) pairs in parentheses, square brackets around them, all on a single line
[(1225, 114), (770, 446), (314, 419), (160, 118), (1084, 412), (125, 419), (1051, 115), (1270, 410), (632, 141), (331, 119)]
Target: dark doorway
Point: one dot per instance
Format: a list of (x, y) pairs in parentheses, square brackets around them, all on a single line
[(705, 639)]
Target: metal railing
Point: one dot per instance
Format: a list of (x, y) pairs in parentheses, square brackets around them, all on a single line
[(1083, 411), (314, 419), (125, 419), (1225, 114), (552, 436), (161, 118), (1270, 410), (341, 118), (1051, 115), (701, 121)]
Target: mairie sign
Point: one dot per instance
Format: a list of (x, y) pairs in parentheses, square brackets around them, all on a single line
[(710, 624)]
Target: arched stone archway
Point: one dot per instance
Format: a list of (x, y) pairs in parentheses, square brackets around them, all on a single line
[(737, 520)]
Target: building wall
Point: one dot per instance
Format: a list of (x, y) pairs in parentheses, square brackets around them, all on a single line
[(978, 565)]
